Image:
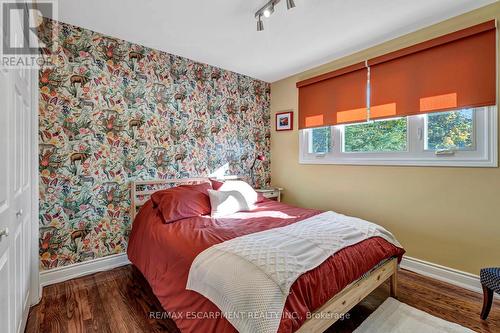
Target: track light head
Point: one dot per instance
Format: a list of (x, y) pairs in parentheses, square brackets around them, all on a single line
[(290, 4), (268, 10), (260, 25)]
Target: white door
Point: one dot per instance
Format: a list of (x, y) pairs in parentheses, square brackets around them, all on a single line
[(15, 196), (6, 210)]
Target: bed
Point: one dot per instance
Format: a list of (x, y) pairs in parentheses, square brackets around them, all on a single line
[(163, 253)]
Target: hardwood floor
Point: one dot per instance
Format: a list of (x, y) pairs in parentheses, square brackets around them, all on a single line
[(120, 300)]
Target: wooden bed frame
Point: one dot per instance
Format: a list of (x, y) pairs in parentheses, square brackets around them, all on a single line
[(351, 295), (334, 308)]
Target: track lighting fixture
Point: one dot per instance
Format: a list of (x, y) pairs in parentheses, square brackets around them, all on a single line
[(268, 9)]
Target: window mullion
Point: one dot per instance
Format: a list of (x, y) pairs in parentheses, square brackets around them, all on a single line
[(336, 140), (415, 141)]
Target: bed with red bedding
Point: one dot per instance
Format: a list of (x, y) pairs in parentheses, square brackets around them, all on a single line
[(164, 253)]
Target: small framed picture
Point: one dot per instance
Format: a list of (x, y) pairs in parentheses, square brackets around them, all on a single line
[(284, 121)]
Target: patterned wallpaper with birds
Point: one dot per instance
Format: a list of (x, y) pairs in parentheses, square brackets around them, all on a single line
[(111, 112)]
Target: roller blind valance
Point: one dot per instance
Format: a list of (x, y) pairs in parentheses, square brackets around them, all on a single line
[(457, 70)]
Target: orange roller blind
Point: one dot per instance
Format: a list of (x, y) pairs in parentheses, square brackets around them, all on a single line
[(457, 70), (333, 98)]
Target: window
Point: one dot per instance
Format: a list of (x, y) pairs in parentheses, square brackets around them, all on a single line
[(320, 141), (466, 137), (377, 136), (450, 130)]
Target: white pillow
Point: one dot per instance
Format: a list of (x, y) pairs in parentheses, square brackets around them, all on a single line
[(227, 202), (244, 188)]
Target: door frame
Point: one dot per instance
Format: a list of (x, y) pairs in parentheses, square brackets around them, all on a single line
[(35, 288)]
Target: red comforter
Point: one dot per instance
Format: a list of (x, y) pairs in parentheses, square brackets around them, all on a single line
[(164, 253)]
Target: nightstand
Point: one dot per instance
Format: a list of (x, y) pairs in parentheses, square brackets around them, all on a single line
[(273, 193)]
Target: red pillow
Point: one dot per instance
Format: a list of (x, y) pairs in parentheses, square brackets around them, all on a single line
[(216, 184), (202, 188), (181, 202)]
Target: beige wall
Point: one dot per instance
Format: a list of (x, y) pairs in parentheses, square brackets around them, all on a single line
[(448, 216)]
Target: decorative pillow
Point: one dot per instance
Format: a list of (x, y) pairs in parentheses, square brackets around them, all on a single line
[(202, 188), (227, 202), (181, 202), (216, 184), (251, 197)]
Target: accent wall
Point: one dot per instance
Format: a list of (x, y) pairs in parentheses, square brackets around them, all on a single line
[(111, 112)]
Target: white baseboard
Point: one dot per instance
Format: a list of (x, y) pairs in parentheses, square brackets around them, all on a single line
[(69, 272), (453, 276), (446, 274)]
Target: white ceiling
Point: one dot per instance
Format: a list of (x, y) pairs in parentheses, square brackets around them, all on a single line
[(223, 32)]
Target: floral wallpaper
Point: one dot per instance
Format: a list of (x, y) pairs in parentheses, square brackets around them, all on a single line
[(111, 112)]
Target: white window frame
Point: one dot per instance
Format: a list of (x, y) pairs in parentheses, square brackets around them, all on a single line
[(483, 154)]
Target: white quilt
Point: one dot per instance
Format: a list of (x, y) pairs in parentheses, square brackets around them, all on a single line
[(249, 277)]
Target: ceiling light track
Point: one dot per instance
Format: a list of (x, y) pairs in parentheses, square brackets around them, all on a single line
[(268, 9)]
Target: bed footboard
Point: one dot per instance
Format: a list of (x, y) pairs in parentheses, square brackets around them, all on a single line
[(345, 300)]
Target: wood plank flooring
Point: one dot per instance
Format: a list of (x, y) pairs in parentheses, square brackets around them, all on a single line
[(120, 300)]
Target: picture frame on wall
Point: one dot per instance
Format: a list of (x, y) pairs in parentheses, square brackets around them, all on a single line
[(284, 121)]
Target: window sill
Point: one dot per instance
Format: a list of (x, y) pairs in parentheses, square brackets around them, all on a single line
[(479, 163)]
